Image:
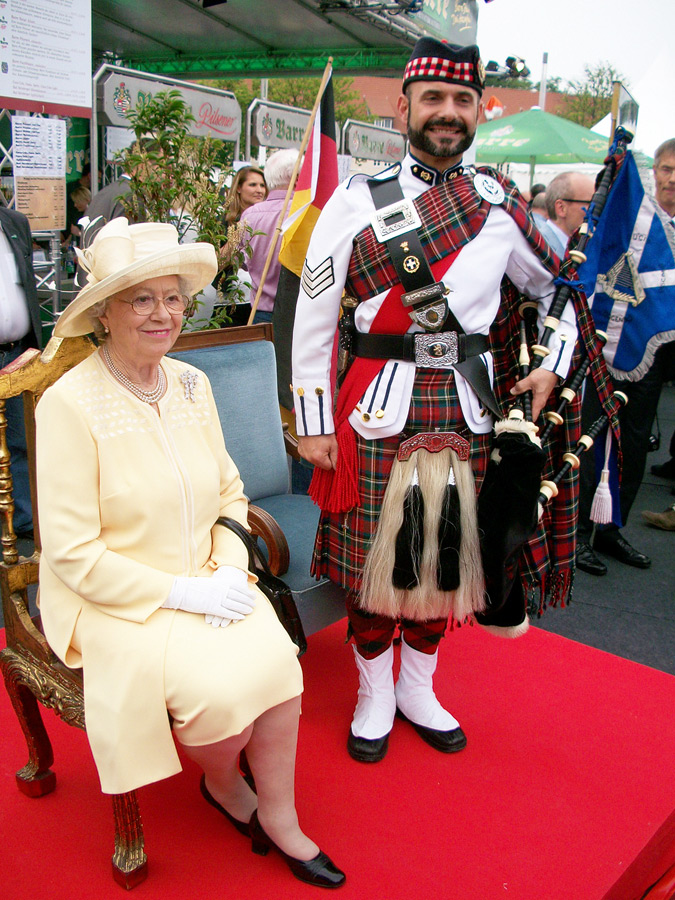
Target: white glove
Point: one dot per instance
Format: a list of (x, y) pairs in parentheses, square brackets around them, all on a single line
[(224, 596), (237, 582)]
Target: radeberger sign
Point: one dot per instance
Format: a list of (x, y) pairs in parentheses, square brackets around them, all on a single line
[(279, 126), (373, 142), (217, 115)]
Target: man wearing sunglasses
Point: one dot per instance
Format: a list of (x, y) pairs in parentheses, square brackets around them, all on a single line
[(567, 199)]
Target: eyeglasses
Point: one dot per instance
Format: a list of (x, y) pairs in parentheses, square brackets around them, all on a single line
[(574, 200), (146, 304)]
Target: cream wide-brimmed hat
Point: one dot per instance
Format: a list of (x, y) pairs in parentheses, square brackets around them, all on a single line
[(123, 255)]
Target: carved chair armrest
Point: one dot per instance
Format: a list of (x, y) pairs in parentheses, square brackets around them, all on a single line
[(290, 437), (265, 526), (19, 626)]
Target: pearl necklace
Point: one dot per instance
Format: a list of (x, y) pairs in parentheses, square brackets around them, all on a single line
[(146, 396)]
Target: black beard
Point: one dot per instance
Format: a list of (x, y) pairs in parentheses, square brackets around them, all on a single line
[(446, 147)]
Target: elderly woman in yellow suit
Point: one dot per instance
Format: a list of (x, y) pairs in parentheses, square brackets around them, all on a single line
[(138, 585)]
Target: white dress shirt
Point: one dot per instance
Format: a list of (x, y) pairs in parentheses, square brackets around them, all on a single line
[(474, 280), (14, 315)]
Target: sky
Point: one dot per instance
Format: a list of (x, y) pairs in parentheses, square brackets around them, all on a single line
[(574, 32), (638, 39)]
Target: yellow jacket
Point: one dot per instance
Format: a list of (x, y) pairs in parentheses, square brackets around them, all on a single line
[(127, 500)]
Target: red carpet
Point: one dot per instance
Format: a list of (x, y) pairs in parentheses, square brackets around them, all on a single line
[(565, 792)]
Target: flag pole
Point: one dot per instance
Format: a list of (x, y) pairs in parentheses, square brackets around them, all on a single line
[(291, 187)]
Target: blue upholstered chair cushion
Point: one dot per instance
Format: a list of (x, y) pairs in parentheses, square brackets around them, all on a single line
[(244, 384), (243, 380)]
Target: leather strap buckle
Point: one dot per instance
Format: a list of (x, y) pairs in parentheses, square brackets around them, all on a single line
[(396, 218), (428, 294)]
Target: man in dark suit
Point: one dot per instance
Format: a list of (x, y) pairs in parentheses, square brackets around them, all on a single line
[(20, 328)]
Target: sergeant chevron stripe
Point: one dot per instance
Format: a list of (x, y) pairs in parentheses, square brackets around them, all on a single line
[(315, 281)]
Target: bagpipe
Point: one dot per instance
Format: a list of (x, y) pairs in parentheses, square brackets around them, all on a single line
[(514, 494)]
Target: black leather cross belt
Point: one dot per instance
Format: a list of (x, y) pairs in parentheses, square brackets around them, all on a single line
[(433, 351)]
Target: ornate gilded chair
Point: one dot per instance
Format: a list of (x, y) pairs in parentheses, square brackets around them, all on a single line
[(33, 674)]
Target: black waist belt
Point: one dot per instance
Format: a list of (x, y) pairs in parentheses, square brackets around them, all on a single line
[(435, 351)]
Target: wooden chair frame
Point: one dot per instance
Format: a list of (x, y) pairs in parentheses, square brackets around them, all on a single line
[(32, 673)]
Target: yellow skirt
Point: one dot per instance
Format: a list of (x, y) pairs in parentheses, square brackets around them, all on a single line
[(219, 680), (213, 681)]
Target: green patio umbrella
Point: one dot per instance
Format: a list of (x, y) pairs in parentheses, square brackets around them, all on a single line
[(538, 138)]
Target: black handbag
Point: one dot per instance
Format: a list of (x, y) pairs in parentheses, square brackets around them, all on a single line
[(277, 591)]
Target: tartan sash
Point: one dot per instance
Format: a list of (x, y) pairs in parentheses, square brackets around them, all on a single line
[(452, 214), (336, 490)]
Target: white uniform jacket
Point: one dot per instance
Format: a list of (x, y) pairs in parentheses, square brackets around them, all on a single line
[(474, 281)]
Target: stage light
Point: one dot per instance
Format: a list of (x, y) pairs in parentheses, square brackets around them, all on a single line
[(517, 67)]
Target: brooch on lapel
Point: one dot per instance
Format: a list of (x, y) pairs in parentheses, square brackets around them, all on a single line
[(189, 380)]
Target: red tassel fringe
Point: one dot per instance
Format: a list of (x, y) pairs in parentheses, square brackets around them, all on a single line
[(336, 490)]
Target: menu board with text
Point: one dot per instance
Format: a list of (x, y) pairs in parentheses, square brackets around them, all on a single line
[(45, 56)]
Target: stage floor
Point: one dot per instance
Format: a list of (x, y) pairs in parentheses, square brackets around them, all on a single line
[(565, 791)]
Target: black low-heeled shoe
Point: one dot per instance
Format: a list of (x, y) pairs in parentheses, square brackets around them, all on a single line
[(242, 827), (320, 871)]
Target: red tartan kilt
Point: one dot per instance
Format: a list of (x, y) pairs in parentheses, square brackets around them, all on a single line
[(343, 539)]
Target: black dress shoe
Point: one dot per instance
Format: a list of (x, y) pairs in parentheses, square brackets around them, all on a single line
[(366, 750), (665, 470), (242, 827), (320, 871), (587, 561), (445, 741), (613, 544)]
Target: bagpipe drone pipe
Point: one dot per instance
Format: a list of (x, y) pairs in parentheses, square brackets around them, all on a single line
[(513, 494)]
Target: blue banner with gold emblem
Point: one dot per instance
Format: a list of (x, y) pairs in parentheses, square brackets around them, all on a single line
[(629, 275)]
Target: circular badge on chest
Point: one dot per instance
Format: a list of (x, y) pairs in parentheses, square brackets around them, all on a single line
[(489, 189)]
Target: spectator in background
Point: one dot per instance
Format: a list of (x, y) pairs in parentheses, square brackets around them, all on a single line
[(567, 199), (80, 198), (535, 190), (248, 188), (538, 209), (262, 219), (108, 201), (82, 190), (20, 328), (664, 177)]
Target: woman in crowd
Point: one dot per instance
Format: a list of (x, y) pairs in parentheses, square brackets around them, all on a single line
[(138, 585), (248, 188)]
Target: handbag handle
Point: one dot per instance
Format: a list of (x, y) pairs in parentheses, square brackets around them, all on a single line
[(255, 557)]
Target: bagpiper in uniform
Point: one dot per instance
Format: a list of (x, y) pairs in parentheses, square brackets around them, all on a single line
[(461, 232)]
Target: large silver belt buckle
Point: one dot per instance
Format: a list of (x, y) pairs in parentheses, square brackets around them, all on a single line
[(437, 351), (397, 218)]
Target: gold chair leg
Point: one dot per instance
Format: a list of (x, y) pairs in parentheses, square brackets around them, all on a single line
[(129, 862), (36, 778)]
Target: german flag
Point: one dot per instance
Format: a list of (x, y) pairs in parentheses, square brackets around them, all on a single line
[(317, 180)]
